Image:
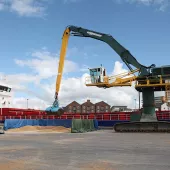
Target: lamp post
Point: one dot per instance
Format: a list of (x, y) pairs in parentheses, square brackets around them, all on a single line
[(135, 103), (139, 100), (1, 106), (27, 103)]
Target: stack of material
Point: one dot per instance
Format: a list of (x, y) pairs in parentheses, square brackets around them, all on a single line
[(83, 125), (17, 123), (54, 129)]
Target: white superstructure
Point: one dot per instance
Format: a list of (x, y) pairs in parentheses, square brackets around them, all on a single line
[(5, 94)]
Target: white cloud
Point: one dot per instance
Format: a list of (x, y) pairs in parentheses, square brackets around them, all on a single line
[(24, 7), (161, 4), (1, 6), (45, 64), (33, 103), (118, 68), (18, 81)]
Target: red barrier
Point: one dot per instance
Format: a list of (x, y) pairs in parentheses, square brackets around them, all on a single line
[(77, 116), (91, 116), (122, 116), (69, 116), (114, 117), (106, 117), (13, 113)]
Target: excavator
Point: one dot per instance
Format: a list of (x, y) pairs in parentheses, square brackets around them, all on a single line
[(149, 79)]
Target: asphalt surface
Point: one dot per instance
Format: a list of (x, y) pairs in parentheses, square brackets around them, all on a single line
[(101, 150)]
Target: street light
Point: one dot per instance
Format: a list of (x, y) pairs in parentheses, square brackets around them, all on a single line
[(135, 103), (139, 100), (27, 103)]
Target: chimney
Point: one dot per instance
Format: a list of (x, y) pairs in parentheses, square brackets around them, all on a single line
[(88, 101)]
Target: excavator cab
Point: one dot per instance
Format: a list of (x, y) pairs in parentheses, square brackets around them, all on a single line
[(97, 75)]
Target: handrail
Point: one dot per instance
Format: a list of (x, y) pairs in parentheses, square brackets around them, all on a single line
[(163, 115)]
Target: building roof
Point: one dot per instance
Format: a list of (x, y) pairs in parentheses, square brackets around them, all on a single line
[(73, 103), (102, 102), (88, 102), (119, 106)]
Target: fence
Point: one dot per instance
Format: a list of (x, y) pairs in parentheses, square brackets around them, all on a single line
[(126, 117), (36, 114)]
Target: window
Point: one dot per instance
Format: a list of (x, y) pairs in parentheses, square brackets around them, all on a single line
[(121, 109), (70, 111), (92, 111), (98, 107), (106, 107), (98, 111), (70, 107), (84, 111), (106, 110), (78, 107), (88, 107), (102, 108), (84, 107), (9, 89), (92, 107), (74, 107), (104, 72)]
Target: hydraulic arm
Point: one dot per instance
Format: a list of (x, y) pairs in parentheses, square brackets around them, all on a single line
[(55, 109), (125, 55)]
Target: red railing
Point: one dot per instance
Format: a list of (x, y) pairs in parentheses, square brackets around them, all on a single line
[(9, 113)]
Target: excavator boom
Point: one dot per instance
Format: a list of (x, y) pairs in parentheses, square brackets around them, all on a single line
[(55, 109), (125, 55)]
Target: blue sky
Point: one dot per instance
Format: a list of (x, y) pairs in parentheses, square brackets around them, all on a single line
[(141, 27)]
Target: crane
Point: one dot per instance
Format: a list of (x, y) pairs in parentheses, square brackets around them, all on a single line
[(55, 109), (149, 79)]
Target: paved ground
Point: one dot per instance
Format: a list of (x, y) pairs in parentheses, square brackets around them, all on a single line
[(102, 150)]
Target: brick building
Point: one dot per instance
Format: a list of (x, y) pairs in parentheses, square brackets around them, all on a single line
[(102, 107), (73, 107), (88, 107)]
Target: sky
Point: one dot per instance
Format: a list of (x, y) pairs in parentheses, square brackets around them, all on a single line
[(30, 41)]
